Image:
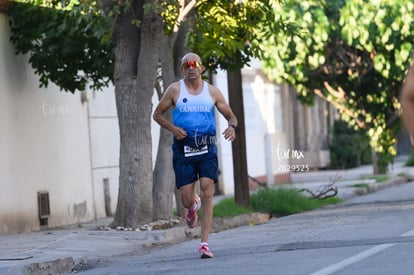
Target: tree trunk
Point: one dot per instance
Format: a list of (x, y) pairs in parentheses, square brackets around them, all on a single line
[(164, 183), (379, 167), (172, 50), (241, 184), (180, 50), (164, 178), (136, 60)]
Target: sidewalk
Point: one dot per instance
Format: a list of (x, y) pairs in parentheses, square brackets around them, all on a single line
[(60, 250)]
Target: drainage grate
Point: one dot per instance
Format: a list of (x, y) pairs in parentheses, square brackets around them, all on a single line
[(43, 203)]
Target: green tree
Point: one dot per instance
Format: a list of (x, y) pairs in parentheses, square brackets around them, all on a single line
[(136, 34), (353, 54), (55, 38)]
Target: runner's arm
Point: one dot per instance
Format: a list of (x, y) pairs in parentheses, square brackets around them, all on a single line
[(226, 111), (166, 102)]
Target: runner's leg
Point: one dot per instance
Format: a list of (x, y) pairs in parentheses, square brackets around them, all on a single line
[(206, 195), (188, 195)]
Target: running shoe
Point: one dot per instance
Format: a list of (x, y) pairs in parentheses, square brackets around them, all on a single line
[(191, 217), (205, 251)]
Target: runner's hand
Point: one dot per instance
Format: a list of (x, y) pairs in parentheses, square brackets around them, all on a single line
[(179, 133), (230, 133)]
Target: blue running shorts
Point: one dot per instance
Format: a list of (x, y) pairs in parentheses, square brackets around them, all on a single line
[(190, 164)]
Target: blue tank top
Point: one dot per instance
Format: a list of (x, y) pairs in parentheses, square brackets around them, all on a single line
[(195, 114)]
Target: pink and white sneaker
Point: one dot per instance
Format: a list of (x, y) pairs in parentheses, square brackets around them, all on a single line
[(205, 251), (191, 217)]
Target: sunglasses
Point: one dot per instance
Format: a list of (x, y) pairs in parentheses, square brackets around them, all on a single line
[(194, 64)]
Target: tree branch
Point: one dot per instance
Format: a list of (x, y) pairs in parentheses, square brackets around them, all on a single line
[(341, 108), (263, 184), (325, 191), (158, 89), (184, 10), (337, 94)]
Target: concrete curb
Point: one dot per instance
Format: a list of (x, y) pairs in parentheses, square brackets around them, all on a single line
[(182, 233), (220, 224), (382, 185), (52, 267)]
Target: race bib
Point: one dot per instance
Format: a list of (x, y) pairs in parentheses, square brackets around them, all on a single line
[(195, 151)]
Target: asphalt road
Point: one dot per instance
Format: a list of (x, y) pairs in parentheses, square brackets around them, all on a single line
[(371, 234)]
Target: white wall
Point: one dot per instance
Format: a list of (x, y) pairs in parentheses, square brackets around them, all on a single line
[(264, 130), (104, 142), (256, 118), (265, 135), (44, 146), (104, 132), (225, 155)]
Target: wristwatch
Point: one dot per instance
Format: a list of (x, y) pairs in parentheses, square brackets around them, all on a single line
[(231, 125)]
